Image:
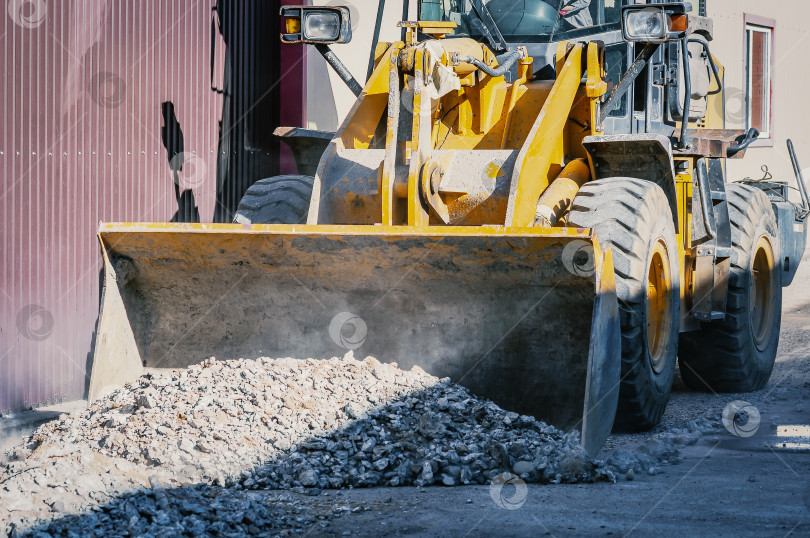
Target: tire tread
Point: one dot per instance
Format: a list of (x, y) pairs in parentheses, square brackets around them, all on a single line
[(623, 211), (721, 356), (276, 200)]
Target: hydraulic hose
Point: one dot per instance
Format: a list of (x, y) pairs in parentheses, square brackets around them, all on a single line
[(505, 62)]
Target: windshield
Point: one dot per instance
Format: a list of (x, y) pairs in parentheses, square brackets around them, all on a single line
[(521, 20)]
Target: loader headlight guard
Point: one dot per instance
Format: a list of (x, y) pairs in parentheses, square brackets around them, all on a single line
[(655, 23), (324, 25)]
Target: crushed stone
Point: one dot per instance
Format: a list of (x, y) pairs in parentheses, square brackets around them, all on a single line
[(223, 433)]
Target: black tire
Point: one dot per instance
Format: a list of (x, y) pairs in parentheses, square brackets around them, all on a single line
[(276, 200), (725, 356), (633, 218)]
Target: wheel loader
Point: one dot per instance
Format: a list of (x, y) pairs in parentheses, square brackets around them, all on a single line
[(536, 210)]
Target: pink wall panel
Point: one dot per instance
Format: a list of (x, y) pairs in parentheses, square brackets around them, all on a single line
[(80, 142)]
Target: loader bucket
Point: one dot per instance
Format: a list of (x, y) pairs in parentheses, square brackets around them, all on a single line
[(507, 313)]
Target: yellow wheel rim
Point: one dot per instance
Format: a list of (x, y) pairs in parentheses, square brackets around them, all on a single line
[(761, 293), (659, 306)]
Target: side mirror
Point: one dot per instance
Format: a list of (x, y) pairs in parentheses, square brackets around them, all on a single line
[(318, 25), (656, 23)]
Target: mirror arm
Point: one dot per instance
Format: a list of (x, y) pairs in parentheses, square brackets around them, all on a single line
[(797, 170), (628, 78), (344, 74)]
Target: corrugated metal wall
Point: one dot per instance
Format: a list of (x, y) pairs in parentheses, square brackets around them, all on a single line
[(85, 86)]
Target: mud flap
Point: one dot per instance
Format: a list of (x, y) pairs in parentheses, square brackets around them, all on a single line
[(508, 313)]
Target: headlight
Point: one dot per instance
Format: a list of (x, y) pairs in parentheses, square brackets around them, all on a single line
[(321, 26), (309, 24), (648, 24), (655, 23)]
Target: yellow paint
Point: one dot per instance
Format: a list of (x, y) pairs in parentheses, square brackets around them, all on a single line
[(421, 127), (173, 229), (388, 169), (683, 238), (491, 97), (487, 113), (361, 123), (763, 289), (438, 29), (379, 52), (596, 84), (465, 131), (556, 200), (524, 71), (430, 177), (542, 153), (544, 120), (714, 119), (659, 306)]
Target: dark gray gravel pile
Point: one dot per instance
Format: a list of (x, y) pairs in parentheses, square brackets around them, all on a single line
[(441, 435), (198, 511)]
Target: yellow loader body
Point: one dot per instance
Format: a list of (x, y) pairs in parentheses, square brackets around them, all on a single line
[(420, 248)]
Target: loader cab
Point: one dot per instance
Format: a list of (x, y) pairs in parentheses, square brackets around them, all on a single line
[(535, 24), (652, 105)]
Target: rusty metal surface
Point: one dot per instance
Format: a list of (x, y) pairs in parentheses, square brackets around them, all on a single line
[(81, 142), (713, 143), (502, 311)]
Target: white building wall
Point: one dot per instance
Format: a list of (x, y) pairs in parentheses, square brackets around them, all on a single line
[(790, 79)]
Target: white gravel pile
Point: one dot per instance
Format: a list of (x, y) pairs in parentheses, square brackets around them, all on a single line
[(269, 424), (286, 423)]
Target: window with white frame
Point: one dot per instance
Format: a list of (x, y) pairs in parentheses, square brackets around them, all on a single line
[(758, 74)]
